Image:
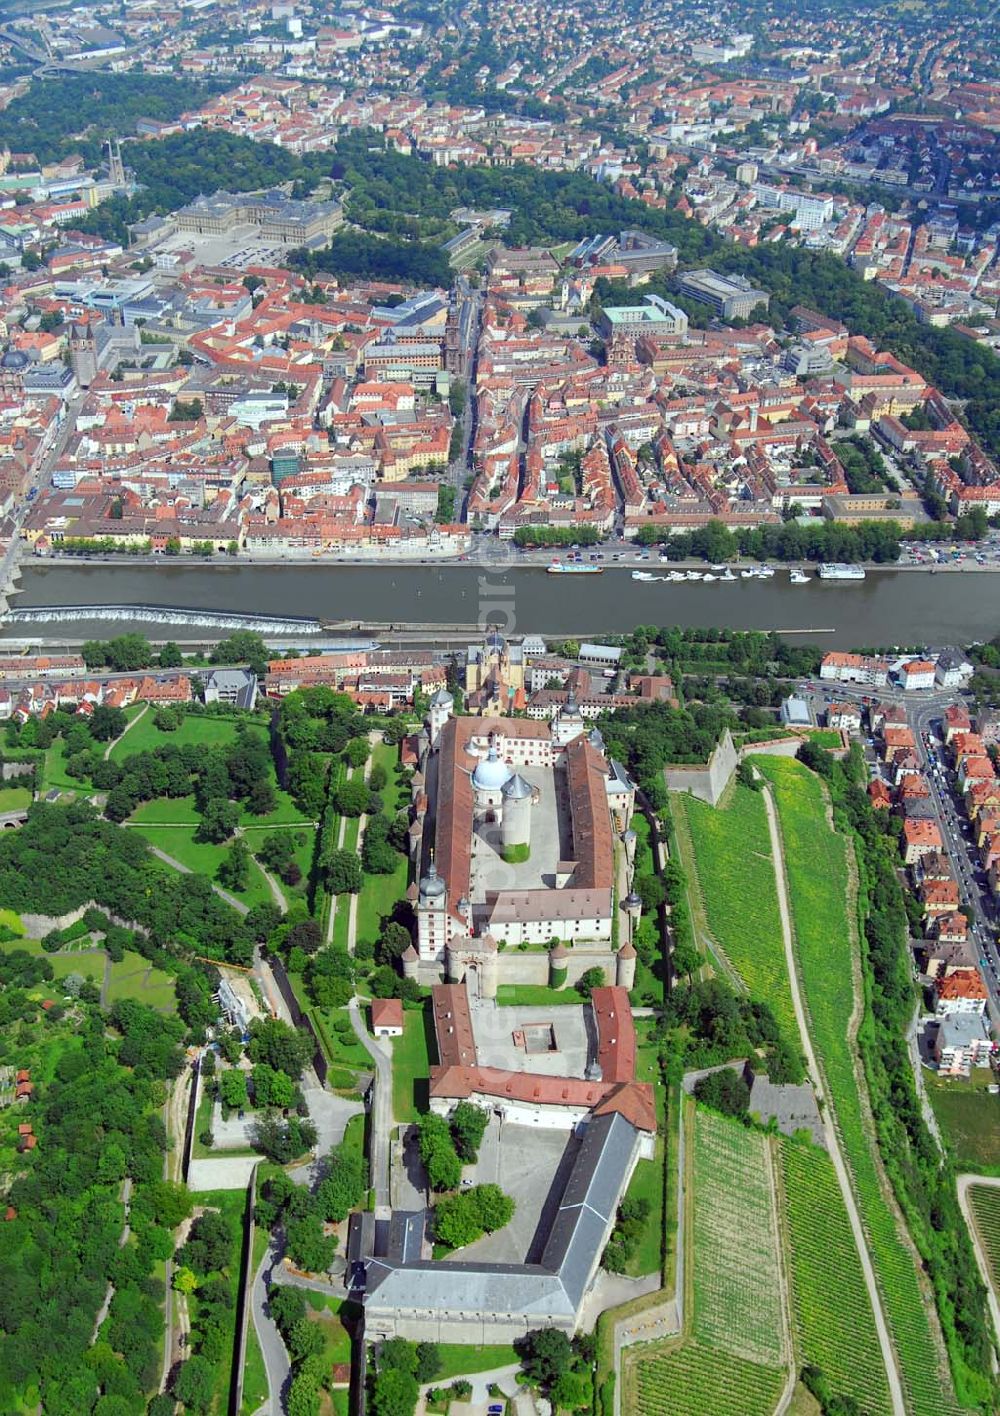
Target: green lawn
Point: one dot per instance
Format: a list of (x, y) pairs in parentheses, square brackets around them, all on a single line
[(535, 995), (393, 795), (330, 1313), (825, 931), (54, 775), (733, 875), (647, 1183), (255, 1387), (410, 1064), (341, 1047), (457, 1360), (196, 730), (969, 1118), (378, 897), (14, 798)]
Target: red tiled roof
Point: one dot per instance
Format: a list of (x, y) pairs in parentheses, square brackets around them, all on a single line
[(615, 1034), (387, 1012)]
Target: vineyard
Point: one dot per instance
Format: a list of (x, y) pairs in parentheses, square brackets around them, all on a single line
[(834, 1324), (985, 1202), (737, 1274), (701, 1381), (734, 875), (820, 899), (733, 1361)]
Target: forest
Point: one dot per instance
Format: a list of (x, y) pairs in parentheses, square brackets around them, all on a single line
[(66, 856), (99, 1124), (47, 119)]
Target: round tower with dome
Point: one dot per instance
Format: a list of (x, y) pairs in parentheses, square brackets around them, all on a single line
[(488, 781)]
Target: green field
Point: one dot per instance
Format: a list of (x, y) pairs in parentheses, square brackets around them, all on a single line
[(969, 1118), (198, 729), (410, 1065), (834, 1323), (134, 977), (825, 929), (692, 1380), (737, 1273), (734, 877), (14, 799), (985, 1203), (182, 811), (202, 857), (11, 920)]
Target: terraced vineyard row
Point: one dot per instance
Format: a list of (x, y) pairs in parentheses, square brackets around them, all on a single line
[(701, 1381), (834, 1323), (735, 879), (985, 1202), (816, 862), (737, 1274)]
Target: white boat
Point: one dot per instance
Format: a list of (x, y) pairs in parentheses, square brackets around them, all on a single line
[(748, 575), (694, 575), (675, 576), (728, 575), (798, 577), (709, 576), (765, 572), (643, 575), (836, 570)]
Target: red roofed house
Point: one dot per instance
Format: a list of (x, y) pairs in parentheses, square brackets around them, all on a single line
[(879, 795), (917, 673), (919, 837), (960, 992), (387, 1017)]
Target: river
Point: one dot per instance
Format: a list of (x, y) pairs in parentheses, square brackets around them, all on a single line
[(889, 607)]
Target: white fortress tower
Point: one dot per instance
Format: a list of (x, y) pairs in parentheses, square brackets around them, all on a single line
[(432, 914), (568, 723), (440, 709), (518, 799)]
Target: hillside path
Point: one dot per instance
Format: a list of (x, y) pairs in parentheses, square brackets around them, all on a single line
[(832, 1139)]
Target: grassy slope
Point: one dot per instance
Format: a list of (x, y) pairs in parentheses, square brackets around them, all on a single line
[(735, 880), (819, 887)]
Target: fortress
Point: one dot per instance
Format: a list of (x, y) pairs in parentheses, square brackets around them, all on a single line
[(524, 852)]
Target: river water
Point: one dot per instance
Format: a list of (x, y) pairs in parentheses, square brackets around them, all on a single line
[(889, 607)]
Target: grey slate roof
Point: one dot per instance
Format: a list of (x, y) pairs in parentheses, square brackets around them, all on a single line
[(555, 1287)]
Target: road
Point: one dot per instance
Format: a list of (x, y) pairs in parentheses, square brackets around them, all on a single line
[(830, 1134), (381, 1109), (958, 840), (272, 1348), (56, 438)]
